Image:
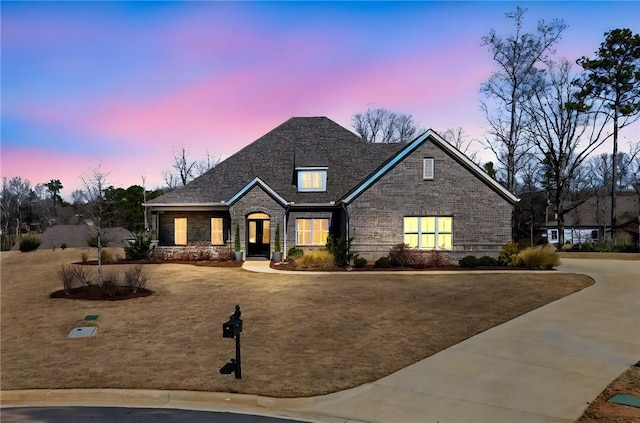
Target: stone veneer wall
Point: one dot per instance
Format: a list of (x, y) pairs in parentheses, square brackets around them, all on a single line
[(481, 217), (256, 201)]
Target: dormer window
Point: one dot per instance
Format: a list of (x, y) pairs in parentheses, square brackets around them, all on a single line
[(312, 179)]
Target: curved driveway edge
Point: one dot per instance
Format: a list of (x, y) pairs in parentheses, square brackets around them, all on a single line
[(544, 366)]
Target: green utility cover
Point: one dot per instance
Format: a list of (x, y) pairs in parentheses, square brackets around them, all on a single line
[(91, 317), (626, 399)]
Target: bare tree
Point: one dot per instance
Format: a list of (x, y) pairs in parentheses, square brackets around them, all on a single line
[(383, 126), (186, 169), (460, 140), (512, 85), (15, 193), (95, 184), (559, 130)]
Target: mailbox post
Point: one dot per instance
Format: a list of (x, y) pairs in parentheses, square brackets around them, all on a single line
[(232, 329)]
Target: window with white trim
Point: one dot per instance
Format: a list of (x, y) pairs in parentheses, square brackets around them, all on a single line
[(429, 232), (427, 168), (180, 230), (312, 180), (217, 231), (312, 231)]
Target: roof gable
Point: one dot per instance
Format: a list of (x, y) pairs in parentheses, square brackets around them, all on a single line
[(447, 148)]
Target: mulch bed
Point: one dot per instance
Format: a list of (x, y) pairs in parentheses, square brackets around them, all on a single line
[(93, 292), (370, 268)]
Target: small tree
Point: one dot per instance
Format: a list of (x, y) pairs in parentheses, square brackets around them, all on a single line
[(341, 249), (277, 245), (236, 239), (95, 184)]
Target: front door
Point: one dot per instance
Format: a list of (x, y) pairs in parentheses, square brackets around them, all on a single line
[(258, 235)]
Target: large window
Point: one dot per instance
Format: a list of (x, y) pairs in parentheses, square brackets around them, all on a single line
[(180, 228), (217, 231), (312, 231), (312, 180), (430, 232)]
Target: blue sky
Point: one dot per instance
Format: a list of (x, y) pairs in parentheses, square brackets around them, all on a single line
[(121, 84)]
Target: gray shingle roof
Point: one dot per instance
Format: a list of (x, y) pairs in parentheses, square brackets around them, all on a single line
[(299, 142)]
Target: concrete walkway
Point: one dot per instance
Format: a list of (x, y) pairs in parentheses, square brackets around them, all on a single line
[(544, 366)]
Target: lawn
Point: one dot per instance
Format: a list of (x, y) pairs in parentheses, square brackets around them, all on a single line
[(303, 334)]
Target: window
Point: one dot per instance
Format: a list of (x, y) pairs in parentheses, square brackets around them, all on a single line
[(312, 231), (312, 180), (427, 168), (216, 231), (429, 232), (594, 235), (180, 227), (554, 235)]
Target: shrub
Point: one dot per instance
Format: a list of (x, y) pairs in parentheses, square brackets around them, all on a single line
[(110, 282), (539, 257), (83, 277), (469, 261), (140, 248), (29, 243), (84, 257), (225, 254), (67, 275), (487, 261), (359, 262), (400, 255), (382, 263), (135, 278), (294, 253), (509, 254), (341, 249), (437, 258), (106, 256), (236, 238), (63, 245), (276, 244), (316, 260), (92, 240)]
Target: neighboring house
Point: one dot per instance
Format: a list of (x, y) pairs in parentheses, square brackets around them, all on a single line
[(590, 221), (314, 178)]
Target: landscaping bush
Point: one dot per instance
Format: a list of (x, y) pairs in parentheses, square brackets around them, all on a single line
[(469, 261), (316, 260), (225, 254), (73, 276), (106, 256), (382, 263), (487, 261), (437, 258), (63, 246), (400, 255), (84, 257), (67, 275), (110, 281), (541, 258), (341, 249), (135, 278), (294, 253), (509, 254), (140, 248), (359, 262), (29, 243)]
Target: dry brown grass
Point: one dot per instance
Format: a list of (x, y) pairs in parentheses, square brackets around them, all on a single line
[(303, 334)]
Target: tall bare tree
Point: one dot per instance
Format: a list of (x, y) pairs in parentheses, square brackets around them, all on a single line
[(560, 131), (95, 183), (511, 86), (612, 82), (14, 195), (460, 140), (384, 126), (185, 169)]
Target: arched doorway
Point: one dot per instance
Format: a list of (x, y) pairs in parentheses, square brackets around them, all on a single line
[(258, 235)]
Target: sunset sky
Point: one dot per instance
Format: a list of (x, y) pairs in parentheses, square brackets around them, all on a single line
[(122, 84)]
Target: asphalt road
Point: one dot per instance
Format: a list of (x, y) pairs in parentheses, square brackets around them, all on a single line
[(125, 415)]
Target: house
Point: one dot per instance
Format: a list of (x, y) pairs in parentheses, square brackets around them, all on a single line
[(312, 178), (590, 220)]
